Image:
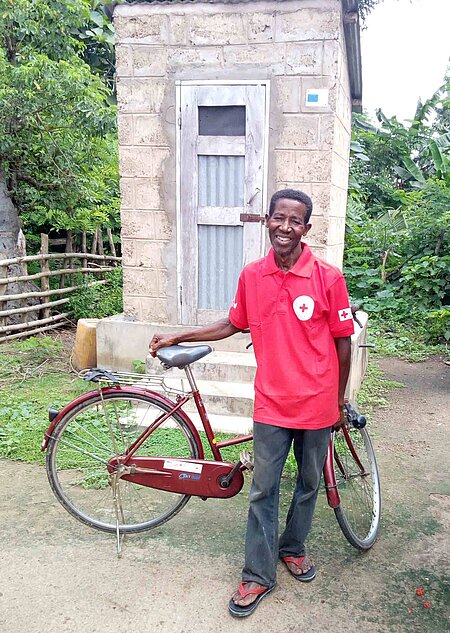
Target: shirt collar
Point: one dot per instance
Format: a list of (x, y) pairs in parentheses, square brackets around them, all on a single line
[(302, 268)]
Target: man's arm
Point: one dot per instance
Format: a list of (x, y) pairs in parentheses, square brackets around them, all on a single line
[(213, 332), (343, 348)]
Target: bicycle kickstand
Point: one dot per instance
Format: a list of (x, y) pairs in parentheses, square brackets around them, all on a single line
[(115, 479)]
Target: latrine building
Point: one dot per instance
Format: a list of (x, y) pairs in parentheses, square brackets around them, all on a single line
[(221, 103)]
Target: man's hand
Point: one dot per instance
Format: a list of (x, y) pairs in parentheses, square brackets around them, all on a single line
[(161, 340), (342, 419)]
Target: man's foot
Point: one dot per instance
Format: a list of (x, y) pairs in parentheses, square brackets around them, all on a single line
[(301, 567), (245, 600)]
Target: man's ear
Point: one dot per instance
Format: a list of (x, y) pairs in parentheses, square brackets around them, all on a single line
[(307, 229), (266, 219)]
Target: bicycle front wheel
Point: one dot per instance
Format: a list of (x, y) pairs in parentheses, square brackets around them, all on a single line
[(101, 428), (358, 485)]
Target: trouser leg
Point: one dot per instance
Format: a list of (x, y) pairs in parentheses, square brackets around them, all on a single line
[(271, 447), (310, 449)]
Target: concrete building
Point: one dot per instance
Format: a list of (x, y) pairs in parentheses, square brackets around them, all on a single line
[(220, 104)]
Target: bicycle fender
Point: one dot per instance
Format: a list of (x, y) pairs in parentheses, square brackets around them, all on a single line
[(91, 395), (330, 478)]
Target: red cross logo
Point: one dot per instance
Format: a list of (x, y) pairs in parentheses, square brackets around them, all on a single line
[(303, 307), (344, 314)]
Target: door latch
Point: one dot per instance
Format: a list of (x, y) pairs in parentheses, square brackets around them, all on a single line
[(251, 217)]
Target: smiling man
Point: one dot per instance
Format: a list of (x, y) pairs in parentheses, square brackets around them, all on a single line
[(297, 309)]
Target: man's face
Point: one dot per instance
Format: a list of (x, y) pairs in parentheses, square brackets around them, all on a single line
[(287, 226)]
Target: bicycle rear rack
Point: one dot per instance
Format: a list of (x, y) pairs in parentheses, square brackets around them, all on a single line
[(152, 382)]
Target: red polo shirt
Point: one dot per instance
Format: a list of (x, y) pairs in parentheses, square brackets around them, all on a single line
[(294, 317)]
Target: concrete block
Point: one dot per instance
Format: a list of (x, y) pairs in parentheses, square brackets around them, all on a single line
[(326, 135), (299, 131), (341, 143), (127, 193), (286, 94), (332, 59), (177, 30), (149, 61), (303, 165), (135, 95), (269, 57), (125, 27), (147, 193), (260, 27), (138, 224), (213, 29), (148, 130), (338, 201), (143, 253), (125, 129), (307, 24), (319, 231), (150, 28), (321, 83), (339, 171), (344, 108), (334, 254), (163, 227), (124, 61), (153, 310), (143, 161), (336, 231), (201, 57), (320, 195), (120, 341), (306, 187), (141, 282), (304, 58)]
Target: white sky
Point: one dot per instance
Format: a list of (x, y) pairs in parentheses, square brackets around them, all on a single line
[(405, 52)]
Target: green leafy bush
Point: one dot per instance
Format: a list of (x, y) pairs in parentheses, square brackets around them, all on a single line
[(437, 325), (99, 301)]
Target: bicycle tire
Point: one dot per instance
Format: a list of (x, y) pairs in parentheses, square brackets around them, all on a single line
[(359, 512), (82, 444)]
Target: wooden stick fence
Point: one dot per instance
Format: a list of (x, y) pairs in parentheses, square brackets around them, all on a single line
[(38, 317)]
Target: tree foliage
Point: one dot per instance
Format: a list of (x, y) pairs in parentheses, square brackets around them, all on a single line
[(58, 150), (398, 244)]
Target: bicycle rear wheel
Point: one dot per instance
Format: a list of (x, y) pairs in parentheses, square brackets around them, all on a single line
[(95, 431), (358, 485)]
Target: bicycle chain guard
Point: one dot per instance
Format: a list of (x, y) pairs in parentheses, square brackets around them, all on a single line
[(197, 477)]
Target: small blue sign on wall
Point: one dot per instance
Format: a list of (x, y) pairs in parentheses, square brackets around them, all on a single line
[(317, 98)]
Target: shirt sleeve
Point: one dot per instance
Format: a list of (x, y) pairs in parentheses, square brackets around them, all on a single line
[(340, 316), (238, 311)]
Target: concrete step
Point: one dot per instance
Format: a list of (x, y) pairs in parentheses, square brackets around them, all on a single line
[(226, 366), (219, 397)]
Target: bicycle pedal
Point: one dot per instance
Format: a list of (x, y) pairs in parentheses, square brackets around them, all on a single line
[(246, 460)]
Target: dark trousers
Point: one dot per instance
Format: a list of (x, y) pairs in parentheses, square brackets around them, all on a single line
[(271, 447)]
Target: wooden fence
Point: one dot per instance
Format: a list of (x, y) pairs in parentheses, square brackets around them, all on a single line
[(39, 306)]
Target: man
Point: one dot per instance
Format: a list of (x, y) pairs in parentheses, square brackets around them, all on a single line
[(296, 307)]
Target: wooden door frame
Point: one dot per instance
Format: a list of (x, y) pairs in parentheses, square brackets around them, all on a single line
[(179, 84)]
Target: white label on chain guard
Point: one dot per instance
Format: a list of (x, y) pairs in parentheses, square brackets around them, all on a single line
[(186, 467)]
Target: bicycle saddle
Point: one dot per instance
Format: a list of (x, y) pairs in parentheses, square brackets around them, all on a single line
[(180, 355)]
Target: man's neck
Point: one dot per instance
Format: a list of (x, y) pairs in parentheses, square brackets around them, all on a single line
[(288, 262)]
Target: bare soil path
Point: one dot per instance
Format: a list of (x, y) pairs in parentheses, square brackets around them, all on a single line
[(58, 576)]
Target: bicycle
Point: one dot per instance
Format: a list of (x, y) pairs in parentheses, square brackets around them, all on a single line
[(125, 457)]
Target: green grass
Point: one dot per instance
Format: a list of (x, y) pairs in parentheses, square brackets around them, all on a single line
[(405, 341)]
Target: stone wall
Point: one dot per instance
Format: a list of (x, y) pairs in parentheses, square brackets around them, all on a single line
[(296, 44)]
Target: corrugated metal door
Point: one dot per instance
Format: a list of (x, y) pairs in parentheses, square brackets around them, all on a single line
[(222, 152)]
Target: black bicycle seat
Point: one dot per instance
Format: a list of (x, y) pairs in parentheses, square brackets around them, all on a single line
[(181, 355)]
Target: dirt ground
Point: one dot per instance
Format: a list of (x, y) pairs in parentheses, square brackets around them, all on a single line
[(57, 575)]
